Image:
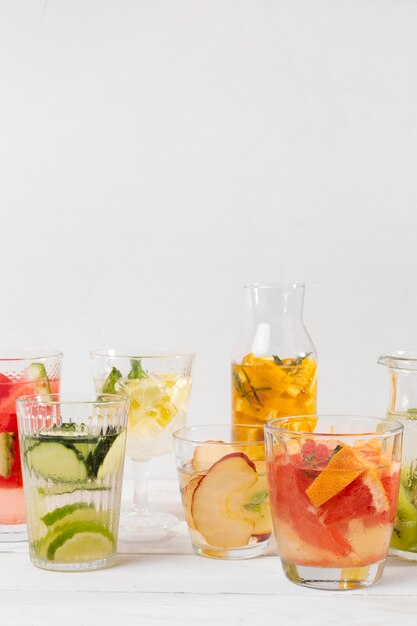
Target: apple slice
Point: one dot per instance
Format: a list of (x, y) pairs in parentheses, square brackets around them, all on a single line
[(187, 499), (206, 455), (234, 473), (252, 505)]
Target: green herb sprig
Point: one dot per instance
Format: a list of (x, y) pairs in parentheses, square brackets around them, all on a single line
[(256, 502), (248, 393)]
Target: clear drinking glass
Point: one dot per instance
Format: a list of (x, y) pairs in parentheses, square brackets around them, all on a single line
[(72, 449), (402, 407), (159, 390), (22, 372), (274, 362), (333, 494), (222, 475)]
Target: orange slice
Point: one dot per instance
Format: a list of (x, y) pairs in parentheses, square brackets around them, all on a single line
[(342, 469)]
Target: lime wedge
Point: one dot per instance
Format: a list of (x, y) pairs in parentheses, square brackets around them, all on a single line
[(80, 542), (113, 460), (57, 514)]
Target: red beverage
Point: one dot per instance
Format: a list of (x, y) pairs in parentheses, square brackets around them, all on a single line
[(333, 495), (23, 377)]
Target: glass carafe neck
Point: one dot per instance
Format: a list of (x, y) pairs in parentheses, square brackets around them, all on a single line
[(270, 302)]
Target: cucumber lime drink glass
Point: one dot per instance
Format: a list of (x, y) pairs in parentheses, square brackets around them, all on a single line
[(72, 452), (21, 372), (159, 389)]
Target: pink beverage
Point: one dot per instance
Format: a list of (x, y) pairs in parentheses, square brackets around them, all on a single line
[(19, 376)]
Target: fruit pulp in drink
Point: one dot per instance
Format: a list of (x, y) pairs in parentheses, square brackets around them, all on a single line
[(333, 505), (72, 490), (12, 507), (267, 387)]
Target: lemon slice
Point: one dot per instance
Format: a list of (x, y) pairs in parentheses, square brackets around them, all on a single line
[(80, 542)]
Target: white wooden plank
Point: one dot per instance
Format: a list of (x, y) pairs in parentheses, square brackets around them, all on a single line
[(88, 609), (187, 574)]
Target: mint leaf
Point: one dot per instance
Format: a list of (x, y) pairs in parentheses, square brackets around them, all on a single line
[(256, 502), (111, 380), (136, 370)]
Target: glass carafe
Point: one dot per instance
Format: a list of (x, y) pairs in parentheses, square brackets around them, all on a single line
[(402, 370), (274, 362)]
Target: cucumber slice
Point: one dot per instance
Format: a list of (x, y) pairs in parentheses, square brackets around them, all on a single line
[(57, 462), (114, 458), (37, 372), (6, 454)]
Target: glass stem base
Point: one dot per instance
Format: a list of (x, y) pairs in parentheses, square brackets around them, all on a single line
[(333, 578), (145, 525)]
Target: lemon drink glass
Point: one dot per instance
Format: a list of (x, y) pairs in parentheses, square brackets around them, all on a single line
[(159, 390), (72, 453)]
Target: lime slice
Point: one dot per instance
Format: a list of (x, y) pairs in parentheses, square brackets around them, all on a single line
[(113, 460), (63, 511), (81, 542)]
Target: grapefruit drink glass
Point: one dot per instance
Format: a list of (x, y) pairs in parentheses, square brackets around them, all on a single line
[(159, 390), (21, 372), (333, 494), (72, 450), (222, 474)]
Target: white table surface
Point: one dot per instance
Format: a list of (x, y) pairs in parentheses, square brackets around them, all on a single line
[(167, 584)]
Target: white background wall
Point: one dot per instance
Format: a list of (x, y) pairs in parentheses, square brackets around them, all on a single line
[(157, 154)]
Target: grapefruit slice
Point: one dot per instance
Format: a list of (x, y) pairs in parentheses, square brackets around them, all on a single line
[(361, 498), (292, 510), (341, 470)]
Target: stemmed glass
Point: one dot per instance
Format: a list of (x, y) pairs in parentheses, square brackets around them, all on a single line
[(159, 389)]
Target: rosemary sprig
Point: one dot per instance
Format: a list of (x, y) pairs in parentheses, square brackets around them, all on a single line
[(277, 360), (291, 363), (246, 393)]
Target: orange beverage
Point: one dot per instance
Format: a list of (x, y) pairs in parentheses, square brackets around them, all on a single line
[(333, 499), (267, 387)]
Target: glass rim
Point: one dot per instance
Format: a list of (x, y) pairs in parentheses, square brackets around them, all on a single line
[(31, 355), (395, 426), (400, 357), (57, 399), (179, 434), (274, 285), (113, 353)]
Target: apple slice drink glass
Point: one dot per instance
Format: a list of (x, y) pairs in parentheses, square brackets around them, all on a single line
[(159, 390), (222, 475), (333, 491), (21, 372), (72, 449)]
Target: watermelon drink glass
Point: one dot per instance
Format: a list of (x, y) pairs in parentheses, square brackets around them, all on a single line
[(333, 495), (21, 373), (72, 449)]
